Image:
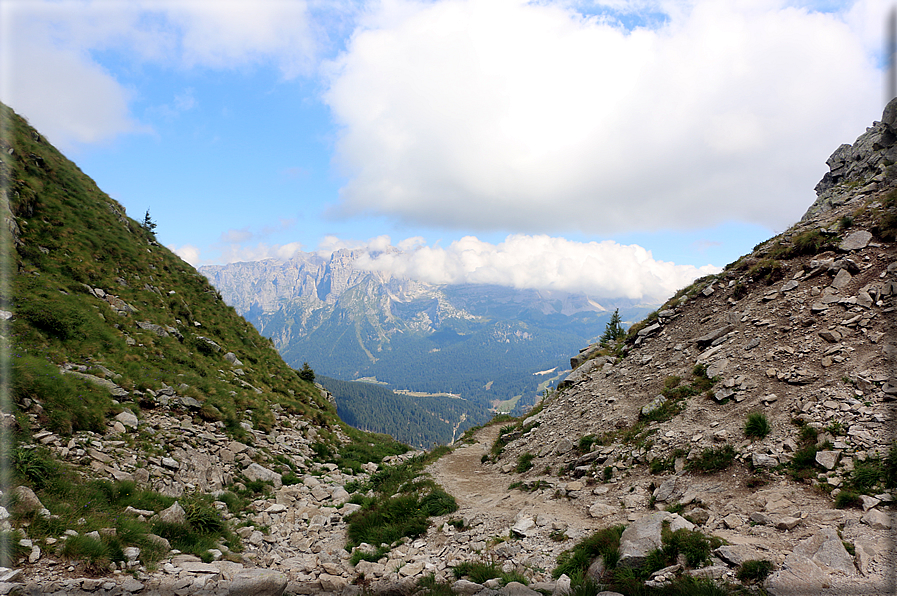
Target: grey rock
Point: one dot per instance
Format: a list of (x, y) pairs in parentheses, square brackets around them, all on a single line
[(640, 538), (563, 446), (798, 575), (761, 460), (599, 509), (828, 459), (830, 336), (649, 330), (855, 241), (790, 285), (826, 550), (517, 589), (562, 586), (524, 527), (706, 340), (256, 471), (113, 389), (877, 519), (132, 585), (26, 500), (128, 418), (152, 327), (466, 588), (215, 347), (737, 554), (174, 514), (258, 582), (653, 405), (841, 279)]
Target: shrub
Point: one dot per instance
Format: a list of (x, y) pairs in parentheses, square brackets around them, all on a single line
[(96, 553), (694, 545), (767, 270), (36, 466), (10, 548), (714, 459), (585, 443), (847, 498), (604, 543), (756, 426), (306, 373), (524, 462), (754, 571), (478, 571)]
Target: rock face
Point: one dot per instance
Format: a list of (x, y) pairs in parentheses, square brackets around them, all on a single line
[(862, 164)]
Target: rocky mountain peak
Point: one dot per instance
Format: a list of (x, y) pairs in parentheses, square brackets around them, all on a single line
[(857, 170)]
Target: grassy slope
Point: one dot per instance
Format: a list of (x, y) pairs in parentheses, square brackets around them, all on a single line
[(72, 235)]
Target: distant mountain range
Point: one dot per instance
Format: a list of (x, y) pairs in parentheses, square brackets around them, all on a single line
[(494, 346)]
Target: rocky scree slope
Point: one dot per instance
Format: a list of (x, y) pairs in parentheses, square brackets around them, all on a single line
[(801, 331)]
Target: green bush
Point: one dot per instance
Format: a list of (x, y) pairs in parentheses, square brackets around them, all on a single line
[(524, 462), (10, 549), (694, 545), (846, 499), (36, 466), (754, 571), (603, 543), (97, 554), (54, 317), (714, 459), (756, 426)]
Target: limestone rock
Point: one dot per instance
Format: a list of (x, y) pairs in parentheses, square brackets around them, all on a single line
[(258, 582), (174, 514), (127, 418), (640, 538), (877, 519), (855, 241), (599, 509), (256, 471)]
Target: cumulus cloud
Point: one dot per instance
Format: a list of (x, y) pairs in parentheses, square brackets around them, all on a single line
[(188, 252), (530, 116), (50, 73), (235, 253), (600, 269)]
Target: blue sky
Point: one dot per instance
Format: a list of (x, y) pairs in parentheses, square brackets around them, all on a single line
[(613, 147)]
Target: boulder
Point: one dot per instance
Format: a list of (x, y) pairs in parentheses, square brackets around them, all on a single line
[(876, 519), (258, 582), (640, 538), (855, 241), (174, 514), (826, 550), (127, 418), (255, 471), (599, 509), (26, 500), (706, 340)]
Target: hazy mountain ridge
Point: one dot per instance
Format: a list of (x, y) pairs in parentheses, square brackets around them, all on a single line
[(482, 341)]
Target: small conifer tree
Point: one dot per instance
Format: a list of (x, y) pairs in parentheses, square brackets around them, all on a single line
[(148, 224), (307, 374), (613, 331)]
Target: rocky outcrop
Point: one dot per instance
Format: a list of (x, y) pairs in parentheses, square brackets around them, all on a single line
[(856, 171)]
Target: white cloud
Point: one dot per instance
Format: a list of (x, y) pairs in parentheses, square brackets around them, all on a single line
[(235, 253), (531, 117), (188, 252), (600, 269), (50, 75)]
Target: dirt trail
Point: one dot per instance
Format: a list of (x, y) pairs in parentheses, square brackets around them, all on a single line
[(483, 489)]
